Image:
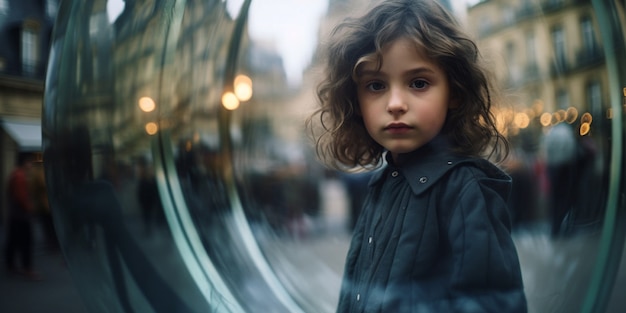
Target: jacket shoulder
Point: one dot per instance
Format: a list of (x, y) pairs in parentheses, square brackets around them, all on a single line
[(459, 170)]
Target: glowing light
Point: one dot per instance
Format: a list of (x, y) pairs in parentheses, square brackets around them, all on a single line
[(586, 118), (152, 128), (571, 115), (538, 106), (560, 116), (555, 118), (230, 101), (521, 120), (243, 88), (146, 104), (545, 119), (584, 128)]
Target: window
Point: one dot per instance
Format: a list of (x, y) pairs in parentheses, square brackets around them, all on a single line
[(562, 99), (51, 8), (594, 97), (95, 66), (4, 6), (531, 57), (79, 63), (527, 4), (512, 61), (589, 40), (508, 15), (484, 25), (555, 3), (30, 56), (558, 44)]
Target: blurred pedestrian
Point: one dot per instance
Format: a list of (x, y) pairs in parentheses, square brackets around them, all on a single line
[(561, 164), (147, 195), (19, 242), (41, 207)]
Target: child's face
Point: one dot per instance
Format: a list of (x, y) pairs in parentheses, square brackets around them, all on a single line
[(404, 104)]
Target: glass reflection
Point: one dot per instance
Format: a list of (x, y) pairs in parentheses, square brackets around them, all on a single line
[(168, 198)]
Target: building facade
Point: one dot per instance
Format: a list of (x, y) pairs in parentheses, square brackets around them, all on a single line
[(25, 34), (549, 61), (548, 52)]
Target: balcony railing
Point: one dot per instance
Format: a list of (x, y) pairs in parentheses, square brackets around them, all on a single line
[(585, 58), (591, 56), (530, 11)]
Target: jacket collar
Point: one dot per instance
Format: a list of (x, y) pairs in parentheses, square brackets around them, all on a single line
[(423, 167)]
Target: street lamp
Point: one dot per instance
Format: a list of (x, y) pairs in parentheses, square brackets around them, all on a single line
[(230, 101), (152, 128), (242, 86), (146, 104)]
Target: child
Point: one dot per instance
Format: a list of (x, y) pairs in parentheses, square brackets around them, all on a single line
[(404, 84)]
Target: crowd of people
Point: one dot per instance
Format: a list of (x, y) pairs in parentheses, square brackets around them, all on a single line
[(558, 181)]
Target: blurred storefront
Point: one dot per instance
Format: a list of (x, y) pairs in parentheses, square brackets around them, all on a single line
[(25, 32)]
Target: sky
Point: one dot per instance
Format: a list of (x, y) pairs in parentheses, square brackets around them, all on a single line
[(290, 26)]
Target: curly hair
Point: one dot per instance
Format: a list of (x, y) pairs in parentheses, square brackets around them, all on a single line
[(339, 131)]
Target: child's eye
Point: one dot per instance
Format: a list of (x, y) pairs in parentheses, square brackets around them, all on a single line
[(375, 86), (419, 84)]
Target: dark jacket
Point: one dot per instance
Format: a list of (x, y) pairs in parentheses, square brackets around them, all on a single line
[(434, 236)]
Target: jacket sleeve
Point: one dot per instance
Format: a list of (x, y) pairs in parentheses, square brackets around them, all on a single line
[(486, 275)]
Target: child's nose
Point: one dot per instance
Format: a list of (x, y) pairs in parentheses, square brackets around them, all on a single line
[(397, 102)]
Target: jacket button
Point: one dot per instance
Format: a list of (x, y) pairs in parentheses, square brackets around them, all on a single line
[(449, 162), (394, 173), (358, 297), (369, 240), (423, 179)]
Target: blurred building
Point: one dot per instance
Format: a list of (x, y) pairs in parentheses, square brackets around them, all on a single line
[(549, 54), (140, 69), (548, 58), (272, 101), (25, 33)]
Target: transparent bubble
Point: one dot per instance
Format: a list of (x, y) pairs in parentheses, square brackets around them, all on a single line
[(182, 178)]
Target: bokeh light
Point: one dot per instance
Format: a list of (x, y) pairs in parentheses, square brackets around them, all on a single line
[(152, 128), (243, 87), (146, 104), (571, 115), (546, 119), (521, 120), (584, 129), (230, 101)]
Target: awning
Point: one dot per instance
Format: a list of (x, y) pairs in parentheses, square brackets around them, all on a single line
[(25, 132)]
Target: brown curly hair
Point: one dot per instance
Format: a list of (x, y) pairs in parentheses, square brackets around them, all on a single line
[(338, 129)]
